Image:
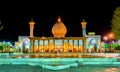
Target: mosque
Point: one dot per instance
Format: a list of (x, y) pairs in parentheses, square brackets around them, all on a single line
[(59, 43)]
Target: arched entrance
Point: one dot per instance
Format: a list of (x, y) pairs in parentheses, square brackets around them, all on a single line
[(26, 45)]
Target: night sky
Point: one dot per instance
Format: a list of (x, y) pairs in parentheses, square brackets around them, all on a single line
[(16, 15)]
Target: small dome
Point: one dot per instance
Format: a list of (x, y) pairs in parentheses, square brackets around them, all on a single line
[(59, 29)]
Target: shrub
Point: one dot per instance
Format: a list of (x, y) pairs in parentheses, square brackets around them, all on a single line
[(117, 47)]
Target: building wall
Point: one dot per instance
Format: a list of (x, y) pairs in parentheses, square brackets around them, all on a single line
[(52, 44)]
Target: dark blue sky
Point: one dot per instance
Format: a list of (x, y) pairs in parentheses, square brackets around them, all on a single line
[(16, 15)]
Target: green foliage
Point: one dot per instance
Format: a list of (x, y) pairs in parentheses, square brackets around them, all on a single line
[(116, 23), (1, 27), (117, 47), (106, 46), (1, 47)]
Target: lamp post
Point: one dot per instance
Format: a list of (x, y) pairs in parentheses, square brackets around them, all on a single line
[(105, 38), (110, 41)]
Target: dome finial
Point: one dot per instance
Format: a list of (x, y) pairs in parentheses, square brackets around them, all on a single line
[(83, 20), (59, 19), (31, 19)]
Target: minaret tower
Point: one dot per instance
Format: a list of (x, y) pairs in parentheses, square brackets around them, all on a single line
[(84, 33), (31, 23), (84, 28)]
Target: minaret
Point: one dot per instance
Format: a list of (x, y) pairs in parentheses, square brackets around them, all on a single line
[(84, 28), (84, 33), (31, 23)]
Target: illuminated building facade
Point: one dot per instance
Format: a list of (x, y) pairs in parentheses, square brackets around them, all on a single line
[(93, 42), (58, 43)]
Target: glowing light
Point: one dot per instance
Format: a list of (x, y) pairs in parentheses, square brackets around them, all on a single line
[(105, 38), (110, 35), (26, 41)]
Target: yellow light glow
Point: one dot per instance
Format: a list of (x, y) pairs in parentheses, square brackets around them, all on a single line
[(110, 35)]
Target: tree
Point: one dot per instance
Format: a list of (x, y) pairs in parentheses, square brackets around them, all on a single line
[(1, 27), (116, 23), (1, 48)]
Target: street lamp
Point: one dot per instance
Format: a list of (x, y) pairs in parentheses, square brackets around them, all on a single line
[(110, 35), (105, 38)]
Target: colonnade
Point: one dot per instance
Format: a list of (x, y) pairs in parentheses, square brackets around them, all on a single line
[(56, 45)]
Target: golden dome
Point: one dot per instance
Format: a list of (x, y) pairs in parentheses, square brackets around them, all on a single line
[(59, 29)]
